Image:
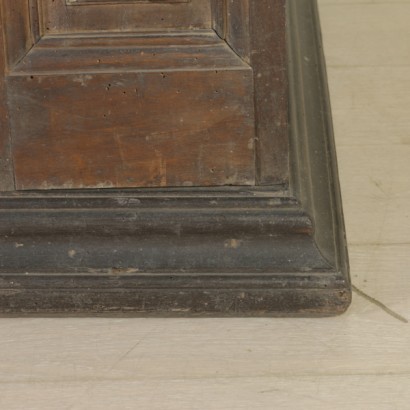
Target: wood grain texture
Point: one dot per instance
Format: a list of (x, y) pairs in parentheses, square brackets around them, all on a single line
[(219, 15), (238, 30), (6, 167), (57, 17), (96, 111), (122, 53), (109, 130), (358, 361), (269, 62), (108, 52), (16, 39), (256, 31), (18, 36), (177, 255)]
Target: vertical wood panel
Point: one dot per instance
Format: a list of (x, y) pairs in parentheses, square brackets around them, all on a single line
[(18, 34), (238, 28), (268, 59), (6, 172), (34, 20), (218, 17), (256, 30)]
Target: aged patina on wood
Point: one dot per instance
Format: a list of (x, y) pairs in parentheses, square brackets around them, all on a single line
[(168, 158)]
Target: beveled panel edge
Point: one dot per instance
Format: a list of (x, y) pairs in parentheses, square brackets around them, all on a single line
[(315, 179)]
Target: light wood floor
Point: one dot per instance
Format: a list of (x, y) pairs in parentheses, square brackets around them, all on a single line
[(358, 361)]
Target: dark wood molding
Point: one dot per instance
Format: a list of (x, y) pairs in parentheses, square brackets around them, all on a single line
[(260, 251)]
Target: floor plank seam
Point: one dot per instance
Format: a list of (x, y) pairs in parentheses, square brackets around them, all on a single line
[(379, 304)]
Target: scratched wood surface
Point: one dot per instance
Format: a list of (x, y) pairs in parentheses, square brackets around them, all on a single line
[(92, 105), (177, 127), (358, 361), (59, 122), (251, 41)]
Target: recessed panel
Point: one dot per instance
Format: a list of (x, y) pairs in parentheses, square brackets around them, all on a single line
[(146, 129)]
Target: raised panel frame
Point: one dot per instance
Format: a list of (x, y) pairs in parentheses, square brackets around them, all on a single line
[(235, 22), (19, 32)]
